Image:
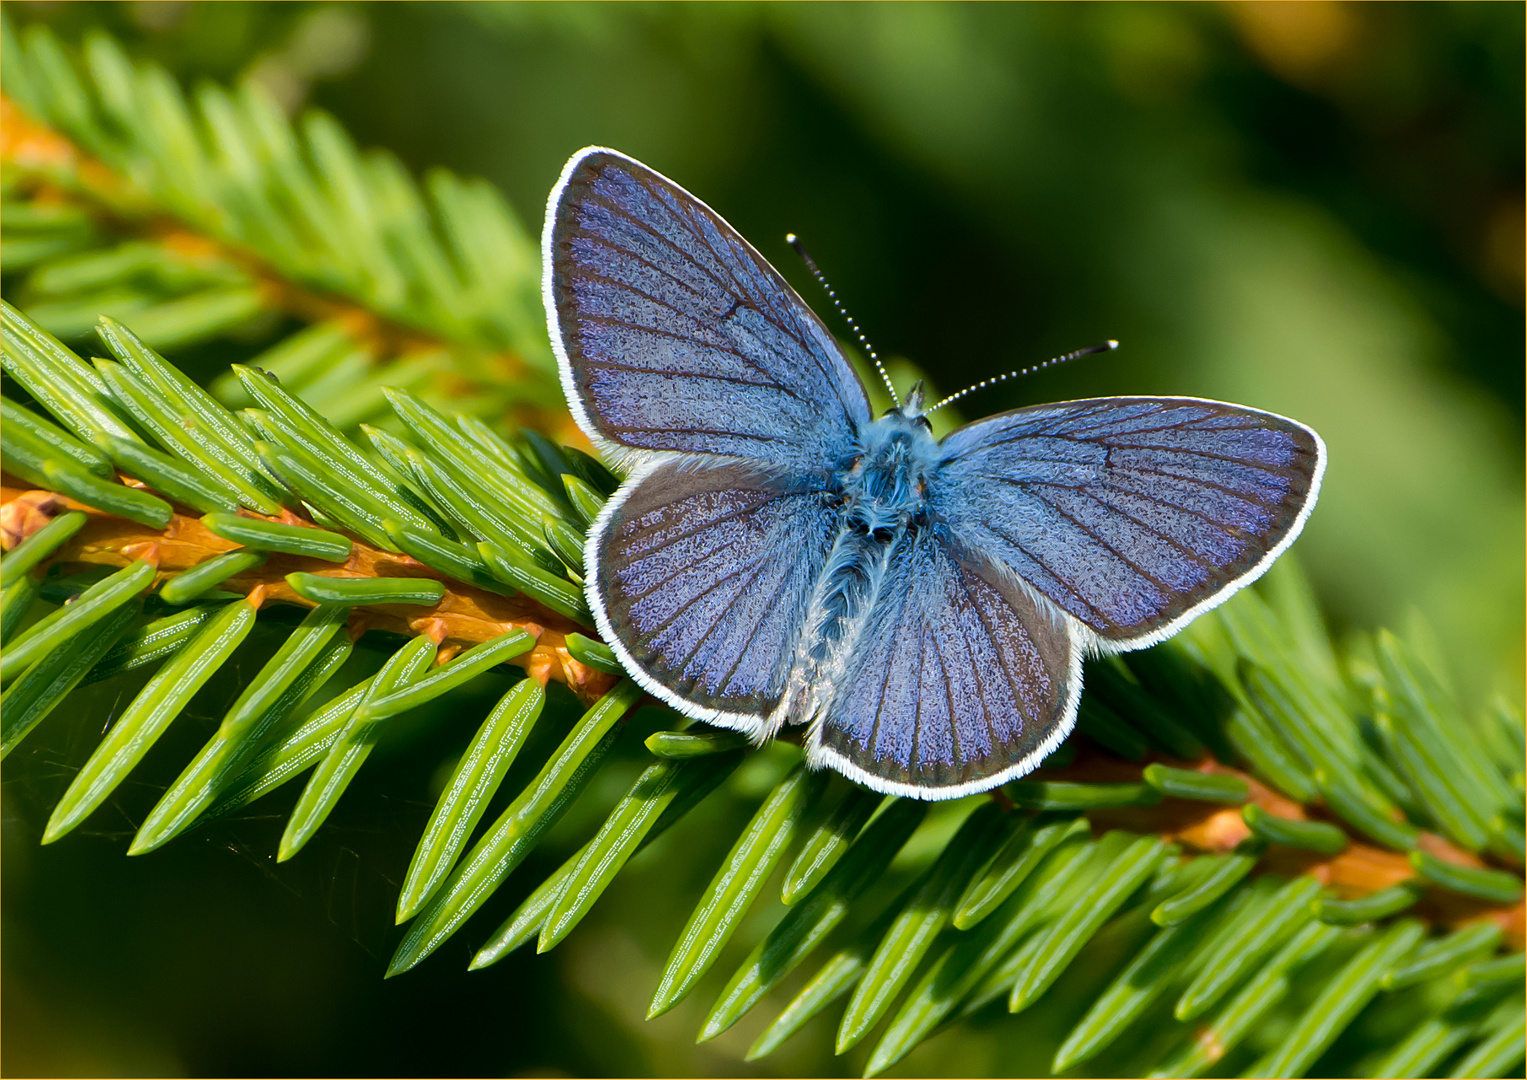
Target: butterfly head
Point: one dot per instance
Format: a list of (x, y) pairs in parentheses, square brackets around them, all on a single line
[(912, 409)]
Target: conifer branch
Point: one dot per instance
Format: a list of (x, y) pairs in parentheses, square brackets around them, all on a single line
[(204, 213), (66, 176), (467, 615), (464, 616), (1359, 869), (1254, 808)]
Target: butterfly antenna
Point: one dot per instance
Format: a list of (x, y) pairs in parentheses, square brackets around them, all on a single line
[(1107, 346), (800, 249)]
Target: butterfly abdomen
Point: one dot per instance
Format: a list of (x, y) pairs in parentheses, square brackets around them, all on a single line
[(848, 582)]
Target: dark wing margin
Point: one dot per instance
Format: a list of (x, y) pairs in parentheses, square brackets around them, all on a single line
[(1132, 514), (700, 577), (674, 334), (960, 680)]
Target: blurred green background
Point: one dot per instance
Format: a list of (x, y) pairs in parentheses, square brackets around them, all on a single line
[(1311, 208)]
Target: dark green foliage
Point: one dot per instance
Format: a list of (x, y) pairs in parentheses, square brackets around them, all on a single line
[(914, 920), (151, 712)]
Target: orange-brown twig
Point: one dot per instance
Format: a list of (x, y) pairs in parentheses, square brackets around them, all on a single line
[(465, 615), (1357, 870)]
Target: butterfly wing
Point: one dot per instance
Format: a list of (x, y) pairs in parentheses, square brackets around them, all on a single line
[(960, 679), (700, 578), (1132, 514), (673, 334)]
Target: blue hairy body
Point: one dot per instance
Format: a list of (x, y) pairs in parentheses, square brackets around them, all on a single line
[(880, 492)]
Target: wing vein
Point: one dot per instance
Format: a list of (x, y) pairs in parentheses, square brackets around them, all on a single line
[(608, 320), (943, 665), (727, 678), (692, 374), (1125, 559), (1069, 585), (802, 315), (651, 632), (707, 431), (1082, 490), (632, 598), (720, 617), (684, 256), (991, 636)]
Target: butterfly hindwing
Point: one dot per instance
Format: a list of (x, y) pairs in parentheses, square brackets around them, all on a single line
[(674, 334), (959, 679), (1132, 514), (700, 576)]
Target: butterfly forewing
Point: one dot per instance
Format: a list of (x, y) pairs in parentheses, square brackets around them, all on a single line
[(1132, 514), (675, 335)]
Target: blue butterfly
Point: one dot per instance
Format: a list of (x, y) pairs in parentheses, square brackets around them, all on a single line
[(777, 555)]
